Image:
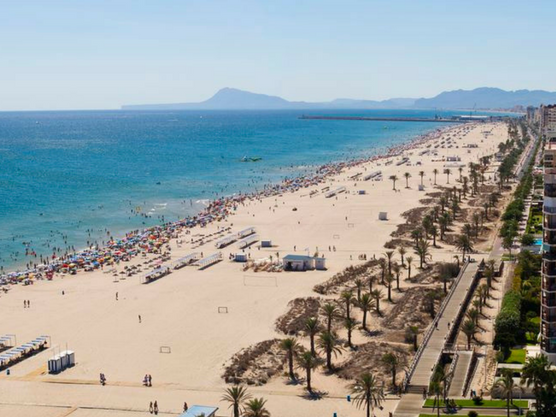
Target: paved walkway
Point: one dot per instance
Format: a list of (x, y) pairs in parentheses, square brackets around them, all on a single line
[(460, 374), (410, 404)]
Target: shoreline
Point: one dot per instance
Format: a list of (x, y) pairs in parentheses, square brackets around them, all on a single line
[(212, 211)]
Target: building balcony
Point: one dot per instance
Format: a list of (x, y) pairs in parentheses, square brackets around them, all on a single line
[(548, 209), (549, 222), (549, 237), (548, 299), (548, 330), (549, 190), (549, 257), (548, 314), (548, 283), (548, 345)]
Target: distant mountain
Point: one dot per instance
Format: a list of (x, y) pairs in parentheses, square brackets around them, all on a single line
[(486, 98), (480, 98), (233, 99)]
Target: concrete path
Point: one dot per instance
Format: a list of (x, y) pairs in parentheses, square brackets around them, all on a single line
[(460, 374), (410, 404)]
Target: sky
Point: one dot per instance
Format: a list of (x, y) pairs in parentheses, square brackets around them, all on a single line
[(97, 54)]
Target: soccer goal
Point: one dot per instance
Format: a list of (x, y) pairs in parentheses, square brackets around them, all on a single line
[(222, 310), (260, 281), (165, 349)]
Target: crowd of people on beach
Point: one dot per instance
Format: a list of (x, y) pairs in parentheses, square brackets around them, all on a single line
[(150, 240)]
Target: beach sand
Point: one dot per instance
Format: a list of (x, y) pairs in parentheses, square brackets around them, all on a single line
[(180, 311)]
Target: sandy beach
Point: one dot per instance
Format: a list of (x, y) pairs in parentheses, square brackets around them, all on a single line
[(204, 317)]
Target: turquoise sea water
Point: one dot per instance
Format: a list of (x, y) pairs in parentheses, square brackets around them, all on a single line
[(67, 177)]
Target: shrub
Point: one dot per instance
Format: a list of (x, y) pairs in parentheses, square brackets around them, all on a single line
[(472, 414)]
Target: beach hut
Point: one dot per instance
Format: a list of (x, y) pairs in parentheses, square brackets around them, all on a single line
[(383, 215), (200, 410), (320, 264), (266, 243), (298, 263)]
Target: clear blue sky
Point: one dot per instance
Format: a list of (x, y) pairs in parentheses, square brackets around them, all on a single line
[(79, 54)]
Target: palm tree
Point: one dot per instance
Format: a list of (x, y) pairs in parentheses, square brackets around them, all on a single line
[(389, 279), (463, 243), (377, 295), (328, 343), (407, 176), (393, 178), (423, 251), (389, 255), (409, 260), (460, 169), (421, 174), (308, 362), (397, 270), (312, 327), (435, 171), (447, 171), (469, 328), (367, 392), (236, 396), (290, 346), (366, 303), (473, 315), (507, 243), (507, 386), (330, 311), (256, 408), (372, 279), (535, 372), (402, 251), (391, 362), (350, 325), (359, 286), (382, 266), (434, 233), (347, 296)]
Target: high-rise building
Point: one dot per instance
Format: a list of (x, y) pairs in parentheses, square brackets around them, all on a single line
[(548, 288), (531, 111)]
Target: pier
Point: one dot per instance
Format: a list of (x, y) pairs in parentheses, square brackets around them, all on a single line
[(387, 119)]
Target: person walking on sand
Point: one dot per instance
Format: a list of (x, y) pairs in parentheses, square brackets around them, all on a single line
[(116, 296), (150, 380), (151, 409), (155, 408), (139, 318), (185, 407)]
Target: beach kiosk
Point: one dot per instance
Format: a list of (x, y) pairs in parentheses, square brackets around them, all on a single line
[(303, 263), (200, 410)]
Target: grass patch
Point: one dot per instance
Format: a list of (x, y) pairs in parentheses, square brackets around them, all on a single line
[(484, 404), (517, 356)]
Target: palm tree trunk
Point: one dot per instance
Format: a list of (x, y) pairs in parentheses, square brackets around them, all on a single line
[(309, 388), (389, 293), (365, 319), (329, 359), (290, 360), (236, 409), (313, 345)]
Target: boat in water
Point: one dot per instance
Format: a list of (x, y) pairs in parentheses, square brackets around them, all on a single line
[(251, 159)]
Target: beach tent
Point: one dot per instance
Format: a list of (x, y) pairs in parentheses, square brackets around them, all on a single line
[(198, 410)]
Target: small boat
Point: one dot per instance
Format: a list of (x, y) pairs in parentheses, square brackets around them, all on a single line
[(251, 159)]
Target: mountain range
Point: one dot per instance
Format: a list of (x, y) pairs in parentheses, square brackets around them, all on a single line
[(479, 98)]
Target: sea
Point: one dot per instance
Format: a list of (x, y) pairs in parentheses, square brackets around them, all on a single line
[(69, 179)]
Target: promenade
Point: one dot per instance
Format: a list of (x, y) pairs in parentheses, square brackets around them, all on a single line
[(411, 403)]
